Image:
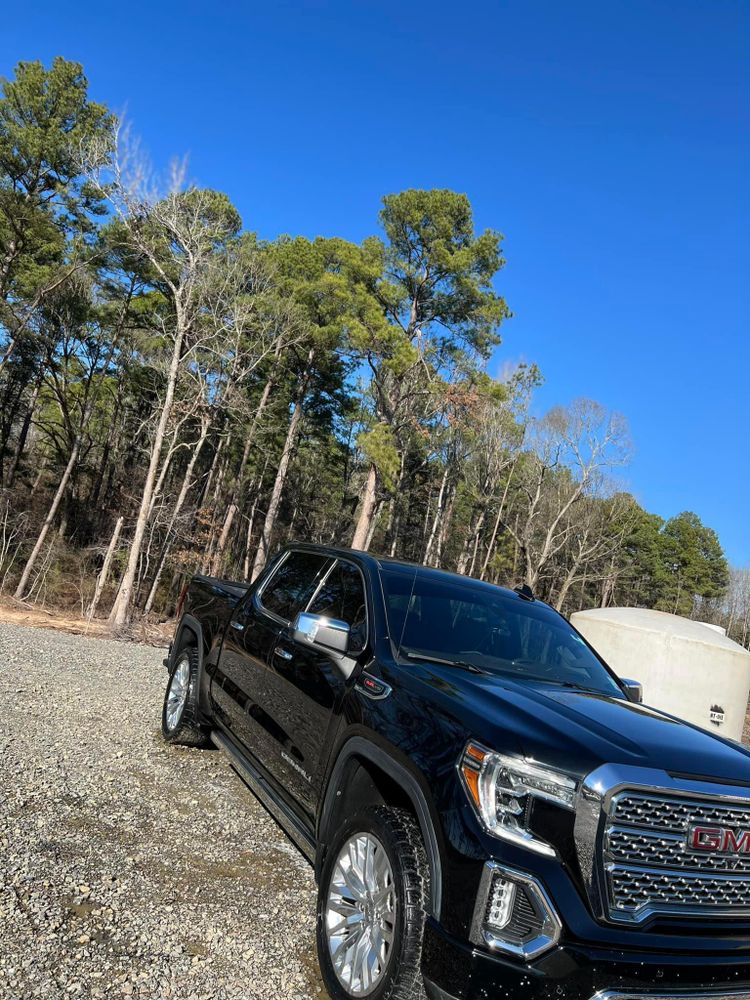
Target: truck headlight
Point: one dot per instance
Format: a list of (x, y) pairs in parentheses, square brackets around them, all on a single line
[(502, 789)]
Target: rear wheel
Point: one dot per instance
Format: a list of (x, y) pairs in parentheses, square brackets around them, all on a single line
[(179, 717), (371, 908)]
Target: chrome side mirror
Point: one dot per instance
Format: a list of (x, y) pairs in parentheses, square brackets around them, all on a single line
[(319, 630), (633, 689)]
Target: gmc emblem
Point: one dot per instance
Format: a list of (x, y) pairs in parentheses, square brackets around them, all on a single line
[(718, 840)]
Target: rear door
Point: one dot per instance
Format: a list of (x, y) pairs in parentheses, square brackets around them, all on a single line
[(305, 685), (242, 688)]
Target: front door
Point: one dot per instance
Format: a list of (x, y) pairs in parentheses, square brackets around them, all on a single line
[(307, 685), (243, 686)]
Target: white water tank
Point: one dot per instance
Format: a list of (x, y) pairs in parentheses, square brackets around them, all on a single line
[(688, 669)]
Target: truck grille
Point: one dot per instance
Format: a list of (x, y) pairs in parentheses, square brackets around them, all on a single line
[(636, 847), (668, 813), (649, 868)]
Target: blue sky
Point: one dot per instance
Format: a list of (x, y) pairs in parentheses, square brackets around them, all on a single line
[(609, 141)]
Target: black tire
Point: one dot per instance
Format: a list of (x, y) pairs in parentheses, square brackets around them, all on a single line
[(185, 728), (398, 833)]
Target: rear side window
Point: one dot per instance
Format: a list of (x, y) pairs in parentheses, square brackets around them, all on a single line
[(342, 596), (293, 584)]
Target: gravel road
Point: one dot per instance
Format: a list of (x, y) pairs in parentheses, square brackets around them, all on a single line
[(129, 868)]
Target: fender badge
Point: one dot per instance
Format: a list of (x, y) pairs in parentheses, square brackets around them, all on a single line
[(373, 687)]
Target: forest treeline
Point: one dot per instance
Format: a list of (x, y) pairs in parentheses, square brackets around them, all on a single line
[(179, 395)]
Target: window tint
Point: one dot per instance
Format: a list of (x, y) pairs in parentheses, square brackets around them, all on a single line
[(490, 630), (293, 583), (342, 596)]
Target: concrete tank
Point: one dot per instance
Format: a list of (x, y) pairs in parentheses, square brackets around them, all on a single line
[(688, 669)]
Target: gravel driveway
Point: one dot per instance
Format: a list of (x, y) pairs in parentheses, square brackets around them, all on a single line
[(129, 868)]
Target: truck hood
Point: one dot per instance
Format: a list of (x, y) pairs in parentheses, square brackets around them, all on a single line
[(579, 730)]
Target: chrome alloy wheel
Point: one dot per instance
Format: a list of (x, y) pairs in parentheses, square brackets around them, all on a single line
[(179, 687), (360, 915)]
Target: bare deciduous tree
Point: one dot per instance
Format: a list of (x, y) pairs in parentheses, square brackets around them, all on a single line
[(569, 448)]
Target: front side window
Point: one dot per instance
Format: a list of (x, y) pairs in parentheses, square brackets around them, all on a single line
[(342, 596), (293, 583), (483, 628)]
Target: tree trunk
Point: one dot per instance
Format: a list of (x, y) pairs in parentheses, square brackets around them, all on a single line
[(109, 445), (496, 528), (566, 585), (233, 508), (264, 542), (18, 454), (211, 472), (445, 527), (219, 484), (21, 588), (471, 544), (367, 511), (265, 396), (436, 520), (181, 497), (165, 465), (101, 580), (162, 561), (610, 581), (477, 542), (249, 539), (463, 556), (218, 558), (491, 546), (373, 525), (213, 507), (120, 614), (8, 352), (394, 510)]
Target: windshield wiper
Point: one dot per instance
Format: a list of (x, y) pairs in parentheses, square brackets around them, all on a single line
[(428, 658), (571, 684)]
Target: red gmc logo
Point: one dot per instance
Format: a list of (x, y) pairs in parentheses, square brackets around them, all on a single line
[(718, 840)]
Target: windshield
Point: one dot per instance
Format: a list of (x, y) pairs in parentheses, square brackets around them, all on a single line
[(481, 627)]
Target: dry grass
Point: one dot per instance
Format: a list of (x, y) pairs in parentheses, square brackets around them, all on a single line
[(20, 613)]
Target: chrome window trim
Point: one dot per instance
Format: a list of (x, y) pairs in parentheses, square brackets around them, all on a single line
[(551, 924), (319, 586), (594, 810), (349, 562), (257, 603), (256, 599)]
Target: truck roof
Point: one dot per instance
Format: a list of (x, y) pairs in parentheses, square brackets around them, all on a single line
[(391, 563)]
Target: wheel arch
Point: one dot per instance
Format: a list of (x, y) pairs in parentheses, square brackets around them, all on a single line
[(356, 755), (189, 630)]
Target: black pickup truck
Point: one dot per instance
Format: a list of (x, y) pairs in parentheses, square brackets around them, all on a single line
[(491, 813)]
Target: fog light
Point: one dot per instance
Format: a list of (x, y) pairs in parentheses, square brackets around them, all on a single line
[(500, 908), (513, 914)]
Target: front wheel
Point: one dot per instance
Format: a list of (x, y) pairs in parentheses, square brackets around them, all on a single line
[(179, 716), (371, 908)]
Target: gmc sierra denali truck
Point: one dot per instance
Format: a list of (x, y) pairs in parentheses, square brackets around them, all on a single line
[(490, 812)]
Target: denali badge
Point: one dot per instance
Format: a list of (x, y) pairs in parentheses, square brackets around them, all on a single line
[(297, 767), (718, 840)]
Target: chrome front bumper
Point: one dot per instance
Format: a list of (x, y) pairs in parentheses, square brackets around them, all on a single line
[(697, 995)]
